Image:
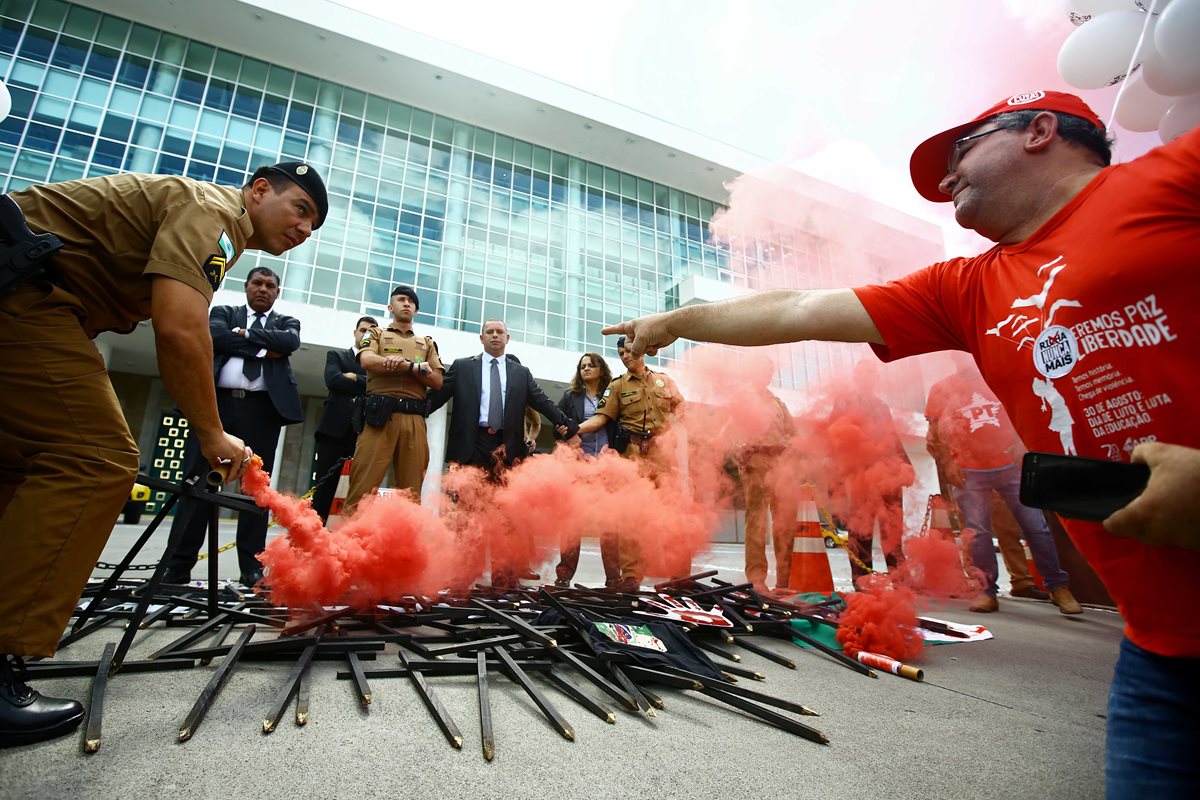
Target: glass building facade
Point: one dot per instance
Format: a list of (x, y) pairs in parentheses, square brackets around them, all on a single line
[(482, 224)]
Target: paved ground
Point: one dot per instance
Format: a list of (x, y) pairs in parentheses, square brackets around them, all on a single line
[(1018, 716)]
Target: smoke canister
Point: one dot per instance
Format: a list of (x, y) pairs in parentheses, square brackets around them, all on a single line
[(879, 661)]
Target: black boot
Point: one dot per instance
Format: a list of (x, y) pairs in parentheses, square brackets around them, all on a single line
[(25, 715)]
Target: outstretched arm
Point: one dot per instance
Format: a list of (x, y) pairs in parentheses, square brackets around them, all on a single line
[(772, 317)]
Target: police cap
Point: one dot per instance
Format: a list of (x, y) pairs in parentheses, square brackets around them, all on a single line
[(406, 291), (306, 178)]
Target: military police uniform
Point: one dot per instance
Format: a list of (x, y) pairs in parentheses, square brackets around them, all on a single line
[(756, 460), (67, 460), (400, 442), (641, 408)]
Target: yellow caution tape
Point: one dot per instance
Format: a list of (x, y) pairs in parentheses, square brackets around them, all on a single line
[(306, 496)]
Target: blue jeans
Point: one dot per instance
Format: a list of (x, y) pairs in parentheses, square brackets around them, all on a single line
[(1153, 747), (975, 502)]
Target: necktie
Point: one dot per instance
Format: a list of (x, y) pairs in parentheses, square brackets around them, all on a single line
[(495, 399), (252, 367)]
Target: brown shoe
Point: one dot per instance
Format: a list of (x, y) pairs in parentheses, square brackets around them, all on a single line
[(1030, 592), (984, 604), (1066, 602)]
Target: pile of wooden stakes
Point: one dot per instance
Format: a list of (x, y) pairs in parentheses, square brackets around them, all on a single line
[(483, 632)]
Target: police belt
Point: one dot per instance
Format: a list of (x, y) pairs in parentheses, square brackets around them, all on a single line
[(644, 436), (379, 407)]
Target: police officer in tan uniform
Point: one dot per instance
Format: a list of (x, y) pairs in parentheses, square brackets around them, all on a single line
[(400, 367), (642, 402), (136, 247), (756, 460)]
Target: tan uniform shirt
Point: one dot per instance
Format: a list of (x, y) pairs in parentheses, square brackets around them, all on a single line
[(391, 342), (640, 405), (775, 438), (119, 230)]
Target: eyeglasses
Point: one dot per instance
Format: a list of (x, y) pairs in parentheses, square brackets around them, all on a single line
[(956, 152)]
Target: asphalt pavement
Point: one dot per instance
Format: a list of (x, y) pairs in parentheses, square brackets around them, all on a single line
[(1020, 715)]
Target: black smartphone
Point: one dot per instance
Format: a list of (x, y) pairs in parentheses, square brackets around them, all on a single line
[(1080, 488)]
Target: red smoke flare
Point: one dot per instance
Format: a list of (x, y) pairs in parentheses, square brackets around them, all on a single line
[(880, 618)]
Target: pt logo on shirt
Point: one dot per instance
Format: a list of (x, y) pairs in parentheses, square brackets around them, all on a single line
[(1055, 351)]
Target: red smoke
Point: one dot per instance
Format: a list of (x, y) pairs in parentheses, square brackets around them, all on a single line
[(391, 547), (394, 547), (934, 566), (880, 618)]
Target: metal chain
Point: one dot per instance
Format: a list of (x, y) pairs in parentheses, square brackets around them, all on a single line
[(825, 519)]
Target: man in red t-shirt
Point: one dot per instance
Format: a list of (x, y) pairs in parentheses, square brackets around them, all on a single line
[(1082, 319), (970, 433)]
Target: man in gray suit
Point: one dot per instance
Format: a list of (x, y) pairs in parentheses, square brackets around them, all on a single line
[(256, 397)]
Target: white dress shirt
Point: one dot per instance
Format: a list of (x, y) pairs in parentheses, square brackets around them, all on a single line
[(485, 385), (231, 376)]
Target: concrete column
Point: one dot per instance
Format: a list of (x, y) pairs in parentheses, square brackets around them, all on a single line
[(573, 254), (166, 79), (435, 432), (454, 232)]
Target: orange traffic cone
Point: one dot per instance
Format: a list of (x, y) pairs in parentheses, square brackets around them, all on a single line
[(339, 496), (810, 561)]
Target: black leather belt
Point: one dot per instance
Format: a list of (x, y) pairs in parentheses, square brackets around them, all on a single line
[(240, 394)]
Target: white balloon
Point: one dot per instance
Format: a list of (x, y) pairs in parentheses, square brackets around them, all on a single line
[(1138, 107), (1169, 77), (1177, 35), (1097, 53), (1180, 118), (5, 102)]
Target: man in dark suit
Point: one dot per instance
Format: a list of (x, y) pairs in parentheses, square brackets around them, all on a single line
[(487, 423), (482, 420), (346, 379), (256, 397)]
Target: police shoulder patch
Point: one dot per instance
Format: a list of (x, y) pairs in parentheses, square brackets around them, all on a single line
[(365, 342), (602, 401), (214, 270), (226, 245)]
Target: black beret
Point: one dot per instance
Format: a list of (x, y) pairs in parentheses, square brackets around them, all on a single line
[(306, 178), (620, 342), (408, 292)]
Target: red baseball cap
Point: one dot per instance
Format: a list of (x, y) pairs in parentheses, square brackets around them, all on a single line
[(928, 163)]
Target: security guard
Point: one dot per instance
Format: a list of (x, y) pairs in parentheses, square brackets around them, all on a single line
[(401, 367), (642, 402), (135, 247)]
